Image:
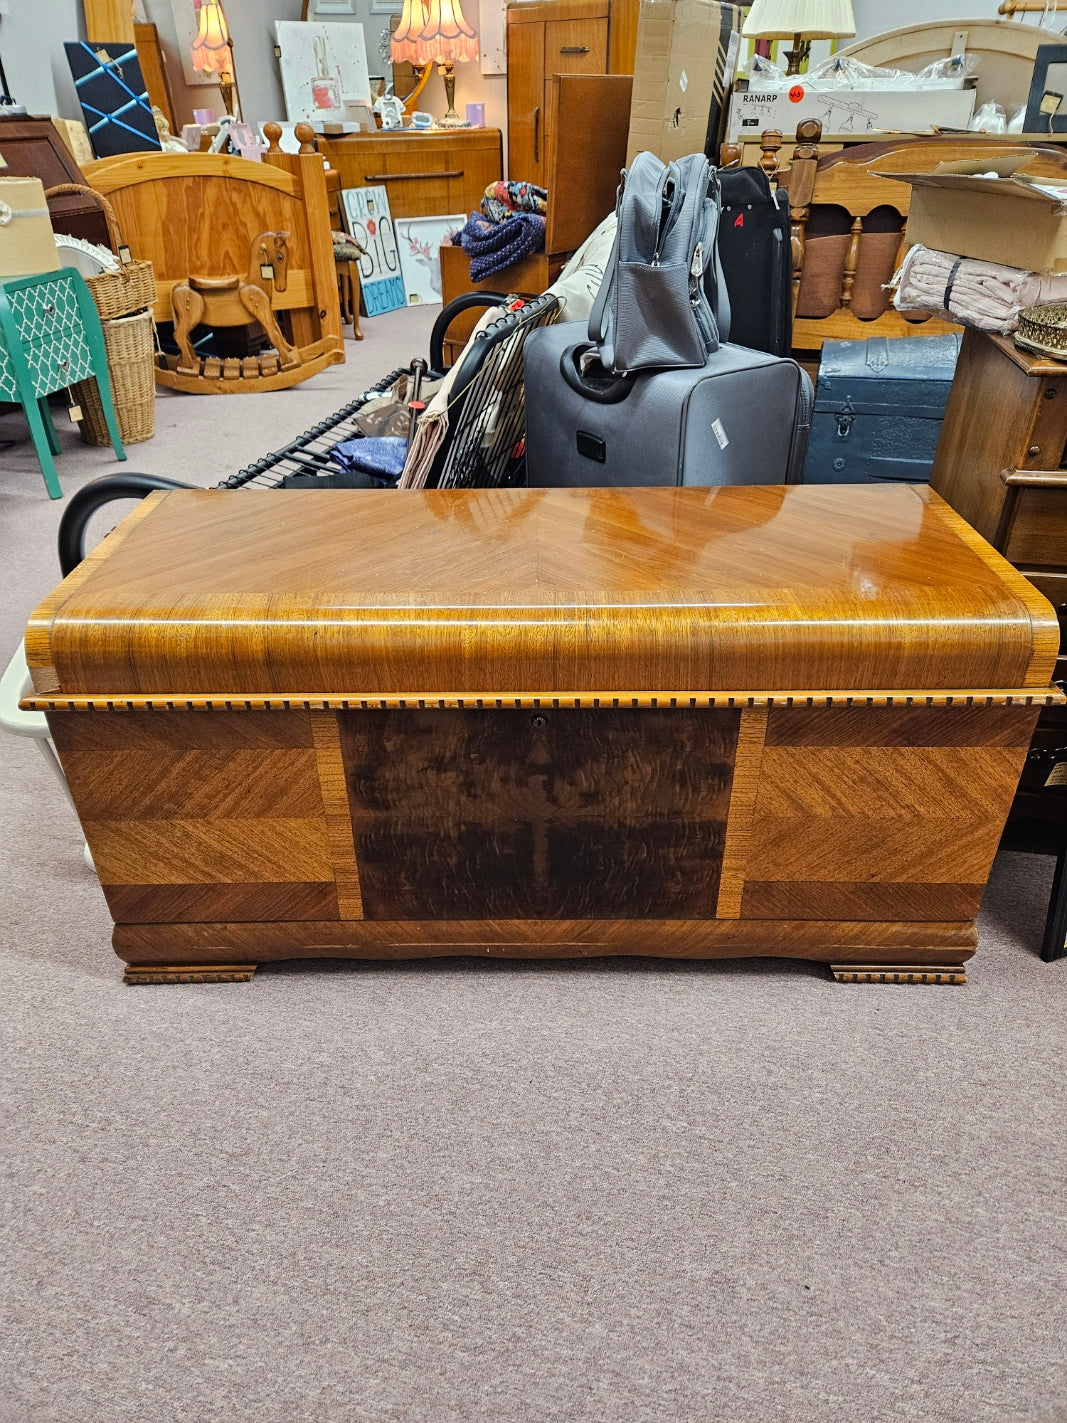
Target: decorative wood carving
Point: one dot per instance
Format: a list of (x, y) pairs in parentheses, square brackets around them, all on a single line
[(231, 301), (197, 215)]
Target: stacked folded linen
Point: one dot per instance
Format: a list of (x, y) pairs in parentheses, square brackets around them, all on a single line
[(982, 294)]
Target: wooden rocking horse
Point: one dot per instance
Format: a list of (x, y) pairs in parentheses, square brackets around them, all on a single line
[(233, 301)]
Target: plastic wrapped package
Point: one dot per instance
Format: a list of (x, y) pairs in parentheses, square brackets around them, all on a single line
[(843, 72), (990, 118)]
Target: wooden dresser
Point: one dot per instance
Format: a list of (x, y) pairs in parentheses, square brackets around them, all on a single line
[(425, 174), (699, 723), (550, 37), (1002, 463), (34, 148)]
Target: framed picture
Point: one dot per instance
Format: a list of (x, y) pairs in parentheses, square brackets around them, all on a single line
[(113, 98), (419, 240), (1046, 108), (367, 216), (324, 70)]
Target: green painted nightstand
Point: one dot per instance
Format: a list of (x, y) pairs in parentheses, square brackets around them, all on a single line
[(50, 337)]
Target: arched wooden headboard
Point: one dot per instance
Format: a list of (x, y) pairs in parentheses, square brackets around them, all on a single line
[(1005, 49)]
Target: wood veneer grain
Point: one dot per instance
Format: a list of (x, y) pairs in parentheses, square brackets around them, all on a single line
[(462, 592), (333, 784), (195, 903), (196, 785), (910, 726), (855, 823), (165, 734), (573, 815), (747, 765), (858, 899), (933, 942), (1037, 532), (177, 851), (39, 628)]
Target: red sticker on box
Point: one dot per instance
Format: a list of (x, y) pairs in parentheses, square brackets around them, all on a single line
[(796, 93)]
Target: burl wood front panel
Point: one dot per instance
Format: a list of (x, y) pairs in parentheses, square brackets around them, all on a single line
[(570, 814), (834, 814)]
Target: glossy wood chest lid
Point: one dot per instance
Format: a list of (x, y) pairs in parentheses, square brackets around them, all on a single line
[(351, 594)]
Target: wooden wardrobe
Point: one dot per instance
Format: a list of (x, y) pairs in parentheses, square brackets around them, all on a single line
[(550, 37)]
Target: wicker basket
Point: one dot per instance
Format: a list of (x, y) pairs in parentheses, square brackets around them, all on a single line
[(133, 287), (130, 342), (1043, 329)]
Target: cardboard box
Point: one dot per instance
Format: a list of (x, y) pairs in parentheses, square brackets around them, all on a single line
[(1009, 218), (683, 70), (849, 111), (27, 242)]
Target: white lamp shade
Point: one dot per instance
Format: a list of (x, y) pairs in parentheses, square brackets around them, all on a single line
[(814, 19)]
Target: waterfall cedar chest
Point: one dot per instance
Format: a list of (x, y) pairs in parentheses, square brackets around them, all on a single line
[(702, 723)]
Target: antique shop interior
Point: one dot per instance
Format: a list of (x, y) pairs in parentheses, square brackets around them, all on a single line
[(534, 724)]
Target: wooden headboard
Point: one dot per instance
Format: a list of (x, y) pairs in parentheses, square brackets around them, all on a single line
[(196, 215), (849, 183)]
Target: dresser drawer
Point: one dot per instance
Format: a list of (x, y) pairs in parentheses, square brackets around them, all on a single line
[(424, 174), (45, 311), (56, 362), (1038, 529)]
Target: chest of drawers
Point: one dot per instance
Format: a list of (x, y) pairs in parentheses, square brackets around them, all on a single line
[(50, 337), (1002, 464)]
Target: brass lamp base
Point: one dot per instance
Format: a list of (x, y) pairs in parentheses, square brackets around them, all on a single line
[(797, 55), (451, 118)]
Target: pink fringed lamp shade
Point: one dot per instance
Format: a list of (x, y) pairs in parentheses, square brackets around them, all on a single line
[(403, 47), (211, 49), (437, 33)]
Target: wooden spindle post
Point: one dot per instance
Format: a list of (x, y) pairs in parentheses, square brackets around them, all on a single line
[(852, 261), (801, 191), (770, 142), (305, 136)]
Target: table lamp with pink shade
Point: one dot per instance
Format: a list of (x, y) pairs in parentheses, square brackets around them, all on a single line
[(212, 50), (436, 33)]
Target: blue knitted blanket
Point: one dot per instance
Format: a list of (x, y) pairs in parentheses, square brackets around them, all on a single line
[(495, 246)]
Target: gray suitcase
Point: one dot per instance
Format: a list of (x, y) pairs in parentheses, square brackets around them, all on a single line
[(879, 405), (742, 418)]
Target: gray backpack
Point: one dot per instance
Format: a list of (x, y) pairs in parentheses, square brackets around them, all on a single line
[(653, 311)]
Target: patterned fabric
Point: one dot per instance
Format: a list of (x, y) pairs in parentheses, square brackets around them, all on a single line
[(495, 246), (345, 248), (502, 199)]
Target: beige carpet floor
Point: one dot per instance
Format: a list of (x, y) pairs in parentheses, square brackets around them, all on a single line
[(635, 1192)]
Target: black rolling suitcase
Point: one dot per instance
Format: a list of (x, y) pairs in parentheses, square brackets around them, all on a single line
[(756, 257)]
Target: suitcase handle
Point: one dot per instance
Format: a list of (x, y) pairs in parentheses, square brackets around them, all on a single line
[(608, 391)]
